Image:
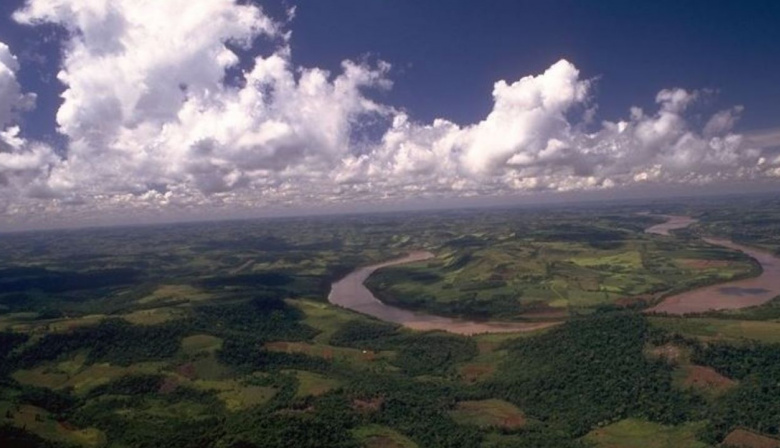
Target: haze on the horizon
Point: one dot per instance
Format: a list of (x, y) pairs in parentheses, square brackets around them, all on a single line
[(125, 110)]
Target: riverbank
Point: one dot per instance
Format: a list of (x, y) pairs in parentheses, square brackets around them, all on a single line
[(733, 294), (350, 292)]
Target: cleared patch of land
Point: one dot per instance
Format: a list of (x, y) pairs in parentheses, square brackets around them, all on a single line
[(707, 380), (489, 413), (329, 352), (174, 293), (635, 433), (368, 405), (713, 328), (377, 436), (687, 375), (313, 384), (235, 395), (73, 373), (484, 365), (742, 438), (42, 423), (324, 317), (154, 316), (475, 372), (29, 323), (201, 343)]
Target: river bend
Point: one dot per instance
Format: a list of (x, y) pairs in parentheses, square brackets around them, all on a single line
[(727, 295), (350, 292)]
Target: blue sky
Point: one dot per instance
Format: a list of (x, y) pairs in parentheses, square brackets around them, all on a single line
[(447, 58), (451, 55), (209, 106)]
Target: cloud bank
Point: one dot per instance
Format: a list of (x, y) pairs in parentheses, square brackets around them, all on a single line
[(163, 114)]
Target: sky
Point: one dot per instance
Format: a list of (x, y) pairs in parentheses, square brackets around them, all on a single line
[(125, 111)]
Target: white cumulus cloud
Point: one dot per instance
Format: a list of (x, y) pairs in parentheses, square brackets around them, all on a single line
[(22, 163), (163, 114)]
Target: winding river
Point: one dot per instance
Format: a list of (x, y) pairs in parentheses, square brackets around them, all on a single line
[(728, 295), (350, 292)]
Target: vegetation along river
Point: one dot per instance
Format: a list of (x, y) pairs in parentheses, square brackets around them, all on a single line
[(350, 292), (729, 295)]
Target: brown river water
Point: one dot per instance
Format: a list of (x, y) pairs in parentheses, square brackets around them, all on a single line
[(727, 295), (350, 292)]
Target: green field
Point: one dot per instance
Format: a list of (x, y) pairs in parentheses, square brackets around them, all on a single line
[(489, 414), (554, 269), (313, 384), (375, 436), (721, 329), (633, 433)]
